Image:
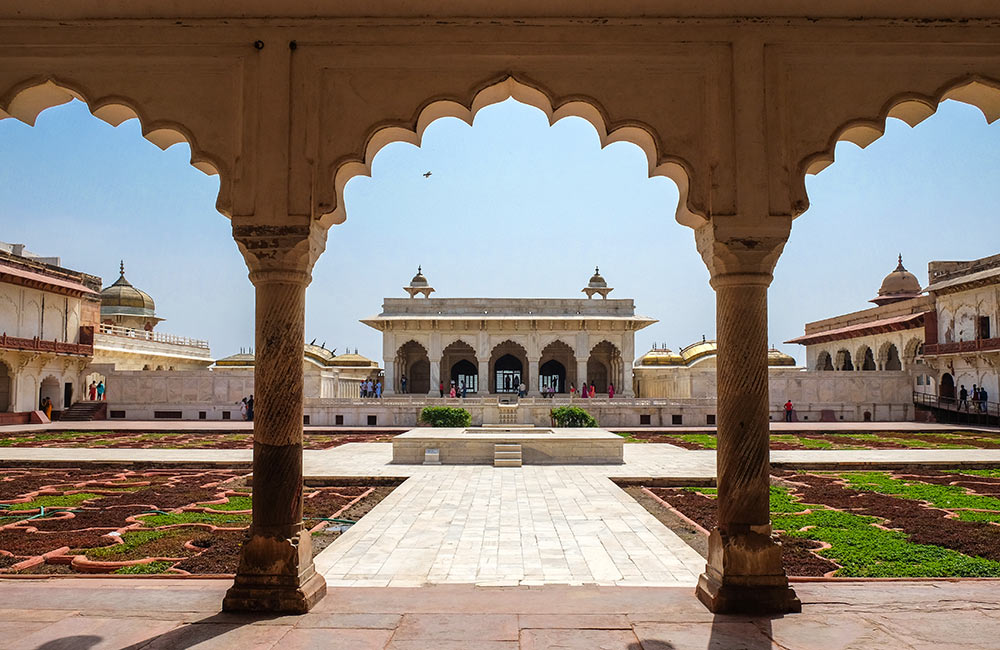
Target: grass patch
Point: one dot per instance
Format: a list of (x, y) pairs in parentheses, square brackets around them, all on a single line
[(709, 492), (977, 515), (706, 441), (55, 501), (235, 503), (988, 473), (948, 497), (154, 521), (142, 569), (627, 436), (808, 443), (131, 540)]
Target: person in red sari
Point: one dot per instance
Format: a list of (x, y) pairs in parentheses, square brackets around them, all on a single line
[(611, 391)]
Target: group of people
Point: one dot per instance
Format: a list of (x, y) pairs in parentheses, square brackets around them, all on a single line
[(589, 390), (456, 390), (374, 389), (980, 398), (96, 392), (246, 408)]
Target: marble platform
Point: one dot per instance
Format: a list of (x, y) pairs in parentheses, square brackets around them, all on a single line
[(538, 446)]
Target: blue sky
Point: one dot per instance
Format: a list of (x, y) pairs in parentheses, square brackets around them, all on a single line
[(514, 207)]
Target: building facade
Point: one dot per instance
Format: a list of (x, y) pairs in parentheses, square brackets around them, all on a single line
[(493, 345), (48, 315)]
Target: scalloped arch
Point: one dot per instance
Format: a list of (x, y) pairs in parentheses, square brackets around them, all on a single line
[(672, 167), (912, 108), (29, 98)]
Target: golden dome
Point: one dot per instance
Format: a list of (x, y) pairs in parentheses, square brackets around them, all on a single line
[(661, 357), (898, 285), (419, 280), (699, 351), (240, 360), (352, 359), (122, 297), (779, 358)]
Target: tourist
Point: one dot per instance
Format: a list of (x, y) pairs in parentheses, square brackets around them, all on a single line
[(92, 391), (788, 411), (47, 407), (975, 398), (250, 408), (611, 390), (243, 408), (522, 390), (592, 391), (983, 400), (463, 390), (451, 392), (441, 389), (583, 390), (963, 398), (378, 389), (100, 392), (572, 390), (402, 384)]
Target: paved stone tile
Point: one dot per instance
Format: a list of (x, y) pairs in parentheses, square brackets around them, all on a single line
[(574, 621), (352, 639), (458, 627), (91, 633), (359, 621), (441, 644), (728, 635), (811, 631), (220, 636), (568, 639)]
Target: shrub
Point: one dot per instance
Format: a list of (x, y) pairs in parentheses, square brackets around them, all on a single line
[(445, 416), (572, 416)]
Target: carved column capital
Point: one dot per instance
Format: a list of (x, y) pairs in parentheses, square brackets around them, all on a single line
[(284, 245), (732, 245)]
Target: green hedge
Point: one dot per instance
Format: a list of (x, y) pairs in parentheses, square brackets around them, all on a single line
[(445, 416), (572, 416)]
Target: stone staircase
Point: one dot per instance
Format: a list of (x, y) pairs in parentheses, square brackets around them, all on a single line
[(507, 454), (84, 412)]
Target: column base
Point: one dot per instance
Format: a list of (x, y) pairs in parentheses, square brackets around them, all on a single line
[(276, 575), (744, 575)]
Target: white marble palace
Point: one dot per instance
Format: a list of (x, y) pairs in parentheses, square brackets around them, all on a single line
[(492, 345)]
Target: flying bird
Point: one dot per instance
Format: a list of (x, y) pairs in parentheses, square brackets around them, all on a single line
[(427, 174)]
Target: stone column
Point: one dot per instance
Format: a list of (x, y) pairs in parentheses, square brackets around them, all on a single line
[(435, 378), (484, 378), (744, 570), (532, 382), (388, 378), (581, 372), (276, 571)]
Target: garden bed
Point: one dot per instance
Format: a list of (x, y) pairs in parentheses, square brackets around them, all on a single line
[(927, 523), (178, 521), (845, 440), (173, 440)]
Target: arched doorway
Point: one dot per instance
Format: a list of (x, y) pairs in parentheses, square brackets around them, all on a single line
[(459, 365), (465, 373), (558, 368), (552, 377), (412, 360), (507, 371), (892, 360), (50, 388), (604, 366), (5, 383), (824, 361), (844, 360), (868, 360), (947, 387)]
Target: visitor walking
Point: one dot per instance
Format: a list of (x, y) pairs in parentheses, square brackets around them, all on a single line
[(572, 390), (243, 408), (983, 400), (788, 411), (250, 408), (522, 390), (92, 391), (47, 407), (463, 390), (441, 389), (378, 389), (611, 391), (963, 398), (975, 398), (100, 392), (402, 384), (451, 390), (583, 390), (592, 391)]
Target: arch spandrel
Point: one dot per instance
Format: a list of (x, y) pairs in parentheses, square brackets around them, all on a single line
[(823, 93), (667, 99), (193, 99)]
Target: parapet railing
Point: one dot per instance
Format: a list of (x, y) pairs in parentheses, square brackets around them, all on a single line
[(977, 345), (491, 400), (37, 344), (968, 406), (158, 337)]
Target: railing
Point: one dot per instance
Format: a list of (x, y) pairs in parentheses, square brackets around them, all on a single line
[(977, 345), (40, 345), (158, 337), (974, 409)]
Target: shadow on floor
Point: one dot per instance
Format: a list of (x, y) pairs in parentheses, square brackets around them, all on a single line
[(726, 633)]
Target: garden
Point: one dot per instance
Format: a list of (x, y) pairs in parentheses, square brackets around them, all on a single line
[(175, 440), (176, 521), (876, 524), (825, 440)]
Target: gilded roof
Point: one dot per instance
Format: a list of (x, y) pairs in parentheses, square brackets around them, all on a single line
[(898, 285), (123, 294), (352, 359), (661, 357)]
